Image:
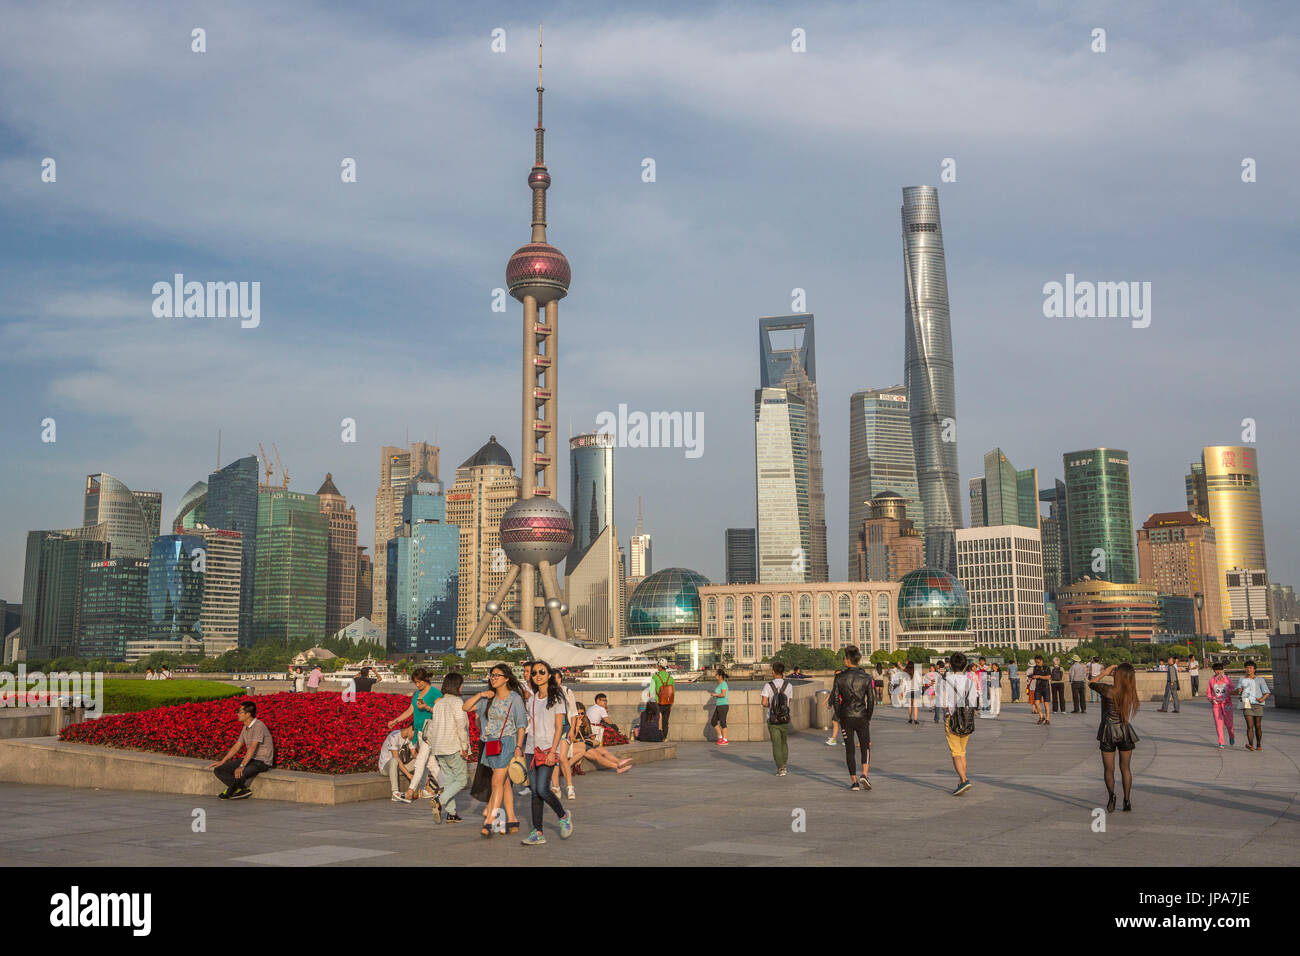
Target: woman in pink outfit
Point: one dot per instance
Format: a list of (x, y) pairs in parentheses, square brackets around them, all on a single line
[(1219, 693)]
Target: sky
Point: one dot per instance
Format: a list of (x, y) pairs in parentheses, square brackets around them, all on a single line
[(775, 170)]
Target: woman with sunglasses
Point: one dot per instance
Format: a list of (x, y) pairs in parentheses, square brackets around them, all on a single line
[(503, 722), (546, 716)]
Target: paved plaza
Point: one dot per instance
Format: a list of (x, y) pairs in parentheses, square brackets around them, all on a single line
[(1035, 790)]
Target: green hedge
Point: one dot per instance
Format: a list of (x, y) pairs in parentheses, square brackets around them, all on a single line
[(128, 696)]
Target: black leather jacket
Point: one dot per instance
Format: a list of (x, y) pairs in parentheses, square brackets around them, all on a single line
[(853, 694)]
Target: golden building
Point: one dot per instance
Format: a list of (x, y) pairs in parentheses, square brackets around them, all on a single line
[(1233, 500), (485, 486)]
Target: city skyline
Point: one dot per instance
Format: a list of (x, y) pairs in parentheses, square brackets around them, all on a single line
[(264, 384)]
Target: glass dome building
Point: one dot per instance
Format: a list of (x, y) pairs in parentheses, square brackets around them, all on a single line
[(666, 603), (932, 600)]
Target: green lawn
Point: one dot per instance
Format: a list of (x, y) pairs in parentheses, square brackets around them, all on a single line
[(128, 696)]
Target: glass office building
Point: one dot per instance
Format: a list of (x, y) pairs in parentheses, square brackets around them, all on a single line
[(292, 567), (1057, 510), (232, 506), (1004, 495), (741, 555), (591, 491), (55, 566), (781, 473), (1100, 507), (880, 459), (788, 360), (114, 607), (928, 374), (423, 573), (193, 509), (175, 588), (132, 518)]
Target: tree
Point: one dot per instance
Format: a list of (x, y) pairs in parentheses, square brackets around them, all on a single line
[(881, 657)]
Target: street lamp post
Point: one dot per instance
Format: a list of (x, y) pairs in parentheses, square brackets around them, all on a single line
[(1200, 620)]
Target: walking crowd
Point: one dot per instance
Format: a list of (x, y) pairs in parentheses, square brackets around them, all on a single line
[(531, 729)]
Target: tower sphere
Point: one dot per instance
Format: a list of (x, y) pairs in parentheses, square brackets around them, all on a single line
[(536, 529), (540, 270)]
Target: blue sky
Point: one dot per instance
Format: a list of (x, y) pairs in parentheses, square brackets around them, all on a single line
[(775, 170)]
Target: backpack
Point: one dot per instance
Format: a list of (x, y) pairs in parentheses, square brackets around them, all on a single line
[(961, 718), (779, 710), (664, 695)]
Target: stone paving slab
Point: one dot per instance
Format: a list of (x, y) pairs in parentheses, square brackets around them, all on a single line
[(1035, 791)]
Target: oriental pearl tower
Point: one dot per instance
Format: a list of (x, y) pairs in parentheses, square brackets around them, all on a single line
[(536, 531)]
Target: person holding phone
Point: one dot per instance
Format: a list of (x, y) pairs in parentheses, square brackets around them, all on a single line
[(503, 720), (1119, 705), (546, 716)]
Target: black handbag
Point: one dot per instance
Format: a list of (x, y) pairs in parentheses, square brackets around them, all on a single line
[(481, 788)]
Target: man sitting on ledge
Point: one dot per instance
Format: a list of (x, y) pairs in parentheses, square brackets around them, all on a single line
[(259, 755)]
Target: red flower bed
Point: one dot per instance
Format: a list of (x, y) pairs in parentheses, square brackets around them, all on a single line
[(318, 733)]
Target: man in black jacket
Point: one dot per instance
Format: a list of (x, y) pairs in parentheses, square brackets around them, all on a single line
[(854, 698)]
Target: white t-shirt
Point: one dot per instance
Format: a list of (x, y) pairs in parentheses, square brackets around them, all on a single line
[(392, 742), (1193, 668), (959, 690), (1095, 668), (595, 714), (541, 722), (771, 688)]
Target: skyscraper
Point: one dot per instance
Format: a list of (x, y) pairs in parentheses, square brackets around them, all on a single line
[(1177, 555), (423, 570), (781, 470), (1100, 510), (176, 588), (1001, 568), (741, 555), (397, 466), (591, 490), (232, 506), (52, 587), (1233, 505), (1004, 495), (114, 607), (341, 574), (486, 486), (640, 563), (193, 509), (1057, 509), (880, 459), (788, 359), (132, 517), (365, 583), (928, 374), (222, 587), (292, 566)]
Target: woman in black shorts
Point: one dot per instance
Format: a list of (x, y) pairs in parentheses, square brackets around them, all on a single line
[(1119, 705)]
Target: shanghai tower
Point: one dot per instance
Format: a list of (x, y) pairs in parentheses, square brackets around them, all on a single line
[(928, 375)]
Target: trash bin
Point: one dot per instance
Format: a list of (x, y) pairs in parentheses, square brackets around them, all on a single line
[(819, 714), (249, 690)]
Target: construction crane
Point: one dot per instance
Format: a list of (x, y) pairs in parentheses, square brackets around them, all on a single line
[(284, 475), (266, 462)]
